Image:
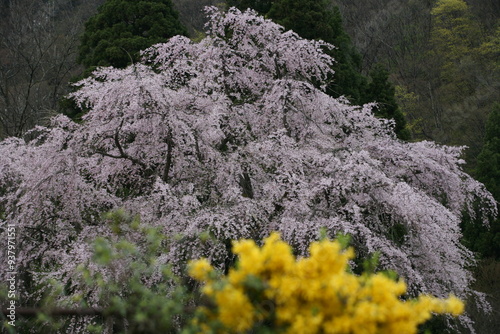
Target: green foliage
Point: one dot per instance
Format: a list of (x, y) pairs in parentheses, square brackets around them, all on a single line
[(454, 35), (480, 238), (383, 92), (140, 291), (121, 28), (483, 239), (490, 48), (409, 104), (488, 165), (261, 6), (437, 324), (124, 279), (453, 73)]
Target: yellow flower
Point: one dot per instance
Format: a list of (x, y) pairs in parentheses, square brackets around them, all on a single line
[(250, 261), (311, 295), (235, 310), (455, 306), (200, 269)]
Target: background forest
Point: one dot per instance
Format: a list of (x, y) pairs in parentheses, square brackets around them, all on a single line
[(433, 66)]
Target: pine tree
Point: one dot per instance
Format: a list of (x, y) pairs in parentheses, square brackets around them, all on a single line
[(480, 238), (121, 28), (488, 165), (383, 92), (118, 32), (261, 6)]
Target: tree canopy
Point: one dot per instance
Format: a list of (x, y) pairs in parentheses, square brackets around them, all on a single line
[(313, 19), (379, 89), (488, 168), (231, 137), (121, 28), (319, 19), (261, 6), (486, 239)]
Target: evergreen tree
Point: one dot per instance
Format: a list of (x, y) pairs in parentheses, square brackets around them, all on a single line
[(488, 172), (118, 32), (488, 165), (381, 90), (261, 6), (480, 238), (121, 28), (318, 19)]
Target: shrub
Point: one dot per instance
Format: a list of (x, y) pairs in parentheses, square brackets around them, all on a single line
[(269, 291)]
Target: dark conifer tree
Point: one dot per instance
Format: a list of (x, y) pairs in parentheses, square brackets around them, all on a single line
[(480, 238), (382, 91), (261, 6), (121, 28), (118, 32), (488, 164)]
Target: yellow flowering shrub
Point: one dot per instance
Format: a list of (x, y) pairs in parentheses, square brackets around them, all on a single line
[(269, 288)]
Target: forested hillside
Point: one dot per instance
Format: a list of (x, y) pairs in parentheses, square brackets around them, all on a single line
[(443, 57), (136, 136), (38, 48)]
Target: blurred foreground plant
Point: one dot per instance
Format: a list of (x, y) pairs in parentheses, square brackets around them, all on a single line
[(139, 293), (269, 291)]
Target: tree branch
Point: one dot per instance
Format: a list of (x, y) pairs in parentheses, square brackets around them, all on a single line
[(168, 162), (123, 154)]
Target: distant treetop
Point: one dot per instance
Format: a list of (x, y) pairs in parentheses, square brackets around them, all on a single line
[(121, 28)]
